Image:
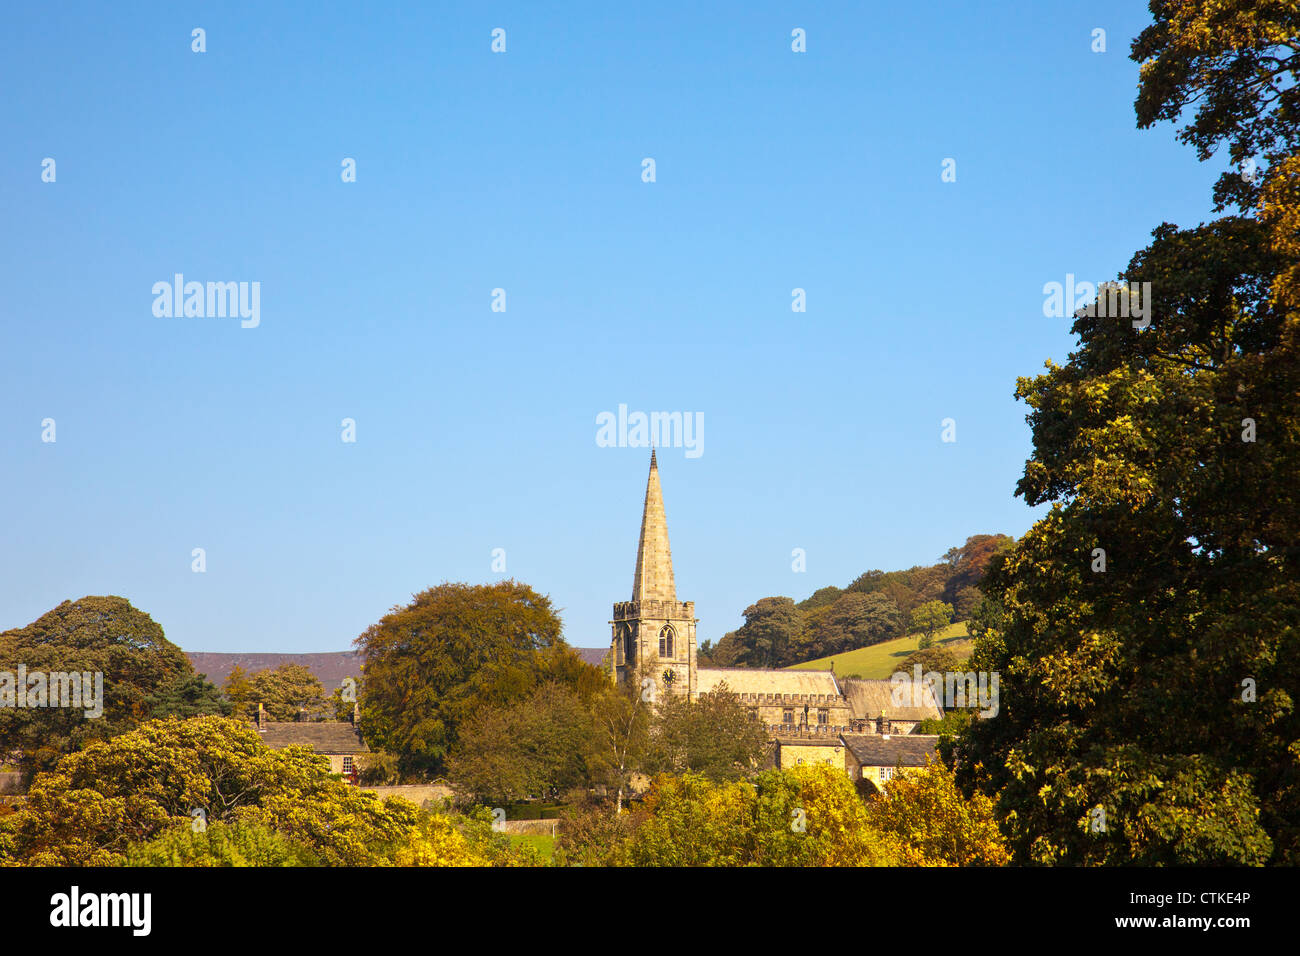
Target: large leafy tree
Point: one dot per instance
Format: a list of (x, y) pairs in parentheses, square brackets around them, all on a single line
[(1147, 629), (455, 649), (287, 692), (807, 816), (1236, 65), (933, 824), (930, 618), (713, 734), (95, 803), (773, 625), (854, 620), (143, 673), (540, 746), (190, 695)]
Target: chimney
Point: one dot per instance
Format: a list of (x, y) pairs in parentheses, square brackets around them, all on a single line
[(261, 717), (356, 713)]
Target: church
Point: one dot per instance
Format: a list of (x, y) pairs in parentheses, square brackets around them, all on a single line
[(810, 715)]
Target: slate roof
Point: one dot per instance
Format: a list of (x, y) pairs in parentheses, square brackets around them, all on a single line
[(894, 750), (869, 699), (753, 680), (325, 737)]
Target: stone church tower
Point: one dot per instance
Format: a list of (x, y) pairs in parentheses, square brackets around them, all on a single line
[(654, 629)]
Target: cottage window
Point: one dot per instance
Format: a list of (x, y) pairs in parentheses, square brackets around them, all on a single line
[(347, 765)]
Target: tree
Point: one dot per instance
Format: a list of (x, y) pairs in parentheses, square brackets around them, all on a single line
[(219, 844), (714, 735), (239, 691), (938, 659), (1238, 63), (97, 802), (288, 692), (188, 695), (808, 816), (934, 825), (966, 603), (141, 670), (854, 620), (1146, 630), (622, 717), (538, 747), (772, 626), (454, 650), (1128, 618), (967, 563), (930, 618)]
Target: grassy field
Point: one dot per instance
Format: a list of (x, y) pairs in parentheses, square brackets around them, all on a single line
[(878, 661), (542, 843)]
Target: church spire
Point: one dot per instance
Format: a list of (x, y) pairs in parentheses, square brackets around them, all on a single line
[(654, 559)]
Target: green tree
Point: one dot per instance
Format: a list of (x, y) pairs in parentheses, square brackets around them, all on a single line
[(1237, 63), (188, 695), (538, 747), (938, 659), (454, 650), (1146, 629), (288, 692), (930, 618), (714, 735), (622, 716), (853, 620), (141, 669), (772, 626)]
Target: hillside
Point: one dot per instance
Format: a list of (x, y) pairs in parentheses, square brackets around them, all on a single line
[(878, 661)]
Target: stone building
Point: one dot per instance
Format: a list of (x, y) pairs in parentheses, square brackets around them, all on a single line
[(875, 758), (337, 740), (805, 711)]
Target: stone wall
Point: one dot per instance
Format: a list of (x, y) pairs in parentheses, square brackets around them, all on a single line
[(416, 793)]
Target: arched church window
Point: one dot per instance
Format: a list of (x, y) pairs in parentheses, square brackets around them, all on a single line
[(629, 645), (666, 641)]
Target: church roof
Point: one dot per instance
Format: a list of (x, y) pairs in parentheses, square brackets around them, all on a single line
[(869, 699), (894, 750), (654, 559), (753, 680)]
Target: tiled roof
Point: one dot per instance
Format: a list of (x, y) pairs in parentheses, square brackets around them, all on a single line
[(894, 750), (325, 736)]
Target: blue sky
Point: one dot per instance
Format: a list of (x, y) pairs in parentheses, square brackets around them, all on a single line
[(476, 429)]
